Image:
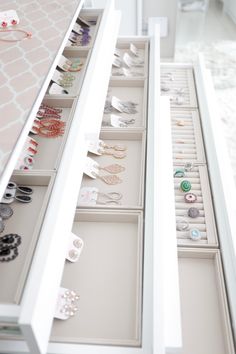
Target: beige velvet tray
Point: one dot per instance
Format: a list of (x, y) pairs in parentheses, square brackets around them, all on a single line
[(132, 186), (128, 90), (205, 317), (26, 221), (108, 278)]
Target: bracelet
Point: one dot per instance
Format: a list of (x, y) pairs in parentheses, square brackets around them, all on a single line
[(27, 35)]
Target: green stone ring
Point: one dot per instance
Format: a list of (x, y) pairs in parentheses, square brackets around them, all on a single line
[(179, 172), (185, 186)]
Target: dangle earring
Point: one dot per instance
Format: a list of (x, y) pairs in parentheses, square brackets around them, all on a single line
[(109, 179), (49, 128)]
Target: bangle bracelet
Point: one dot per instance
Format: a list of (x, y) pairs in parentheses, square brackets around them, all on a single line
[(27, 35)]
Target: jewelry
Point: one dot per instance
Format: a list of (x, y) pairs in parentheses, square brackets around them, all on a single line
[(185, 186), (109, 179), (70, 295), (180, 123), (118, 147), (116, 154), (77, 243), (109, 198), (190, 197), (23, 189), (7, 255), (10, 241), (195, 234), (27, 35), (115, 168), (193, 212), (2, 226), (47, 112), (124, 106), (49, 128), (29, 161), (73, 254), (179, 172), (182, 225), (5, 211)]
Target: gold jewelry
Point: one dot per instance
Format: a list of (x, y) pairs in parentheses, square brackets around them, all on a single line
[(108, 179), (115, 168), (28, 35)]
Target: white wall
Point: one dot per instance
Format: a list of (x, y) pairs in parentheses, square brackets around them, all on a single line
[(163, 8), (135, 15), (230, 9), (130, 14)]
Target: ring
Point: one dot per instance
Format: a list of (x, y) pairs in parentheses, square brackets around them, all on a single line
[(182, 225), (179, 172), (190, 197), (189, 166), (195, 234), (185, 186), (193, 212)]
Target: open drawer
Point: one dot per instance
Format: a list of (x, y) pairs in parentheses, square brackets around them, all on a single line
[(31, 318), (108, 278)]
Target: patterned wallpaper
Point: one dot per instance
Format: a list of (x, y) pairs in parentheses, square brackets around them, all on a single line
[(25, 64)]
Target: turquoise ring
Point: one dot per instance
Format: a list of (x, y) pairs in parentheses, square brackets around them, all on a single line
[(179, 172)]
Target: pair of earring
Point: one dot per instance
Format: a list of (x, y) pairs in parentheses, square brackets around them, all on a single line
[(70, 303), (9, 247), (128, 107), (5, 24), (49, 128), (117, 151), (112, 179), (12, 189), (74, 66), (46, 111), (66, 80)]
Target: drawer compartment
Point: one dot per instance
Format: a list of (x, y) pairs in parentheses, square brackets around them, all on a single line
[(108, 277), (205, 318), (26, 221), (131, 187), (132, 91), (178, 84)]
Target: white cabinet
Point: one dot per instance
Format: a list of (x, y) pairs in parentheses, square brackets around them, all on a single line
[(127, 276)]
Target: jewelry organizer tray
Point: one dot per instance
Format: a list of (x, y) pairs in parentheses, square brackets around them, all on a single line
[(205, 222), (128, 90), (136, 64), (49, 150), (205, 318), (25, 221), (93, 18), (178, 83), (187, 136), (131, 188), (108, 278), (81, 55)]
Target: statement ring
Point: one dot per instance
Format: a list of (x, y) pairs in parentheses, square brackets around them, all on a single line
[(195, 234), (182, 225), (179, 172), (185, 186), (190, 197)]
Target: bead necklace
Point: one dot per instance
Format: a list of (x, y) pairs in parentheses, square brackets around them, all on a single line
[(27, 35)]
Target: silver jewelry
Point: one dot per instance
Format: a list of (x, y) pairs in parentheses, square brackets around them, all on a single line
[(182, 225)]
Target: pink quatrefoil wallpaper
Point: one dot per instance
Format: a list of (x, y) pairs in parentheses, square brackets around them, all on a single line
[(24, 65)]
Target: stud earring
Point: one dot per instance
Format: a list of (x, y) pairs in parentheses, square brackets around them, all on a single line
[(5, 211)]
